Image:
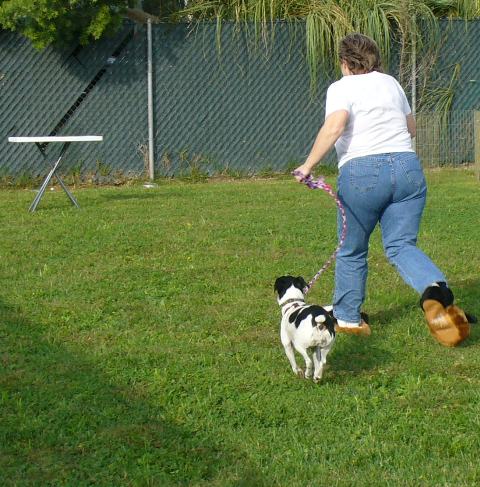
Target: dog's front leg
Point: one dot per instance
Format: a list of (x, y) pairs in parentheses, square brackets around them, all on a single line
[(318, 361)]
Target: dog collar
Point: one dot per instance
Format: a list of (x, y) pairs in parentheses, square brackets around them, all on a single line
[(288, 301), (294, 303)]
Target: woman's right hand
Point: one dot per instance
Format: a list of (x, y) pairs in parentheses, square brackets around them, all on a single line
[(301, 172)]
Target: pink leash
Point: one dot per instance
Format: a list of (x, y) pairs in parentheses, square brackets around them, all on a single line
[(321, 184)]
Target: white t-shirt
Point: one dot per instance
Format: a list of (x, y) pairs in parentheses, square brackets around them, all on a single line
[(377, 108)]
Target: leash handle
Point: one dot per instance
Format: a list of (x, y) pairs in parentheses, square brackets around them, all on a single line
[(321, 184)]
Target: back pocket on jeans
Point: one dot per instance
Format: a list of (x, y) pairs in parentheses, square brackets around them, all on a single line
[(413, 170), (364, 174)]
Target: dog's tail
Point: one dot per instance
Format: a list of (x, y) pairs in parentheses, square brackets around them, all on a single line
[(320, 320)]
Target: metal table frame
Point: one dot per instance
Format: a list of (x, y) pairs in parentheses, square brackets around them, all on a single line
[(67, 140)]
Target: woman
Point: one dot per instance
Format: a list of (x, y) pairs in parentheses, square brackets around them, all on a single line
[(369, 120)]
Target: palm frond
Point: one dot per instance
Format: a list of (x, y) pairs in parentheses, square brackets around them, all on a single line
[(410, 24)]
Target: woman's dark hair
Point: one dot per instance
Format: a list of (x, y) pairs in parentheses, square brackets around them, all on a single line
[(361, 53)]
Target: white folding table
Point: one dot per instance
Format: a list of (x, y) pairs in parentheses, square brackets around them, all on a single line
[(67, 140)]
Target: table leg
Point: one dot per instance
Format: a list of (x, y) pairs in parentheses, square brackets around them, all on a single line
[(44, 185), (70, 195)]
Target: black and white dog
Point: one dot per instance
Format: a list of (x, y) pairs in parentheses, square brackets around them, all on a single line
[(304, 327)]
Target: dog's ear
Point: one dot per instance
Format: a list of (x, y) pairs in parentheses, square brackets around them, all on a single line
[(301, 281), (276, 286), (280, 283)]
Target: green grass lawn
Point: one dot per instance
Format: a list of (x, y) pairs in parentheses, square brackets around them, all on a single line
[(139, 343)]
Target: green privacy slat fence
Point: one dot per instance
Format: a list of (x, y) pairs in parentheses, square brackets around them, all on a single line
[(461, 45), (244, 108), (99, 89)]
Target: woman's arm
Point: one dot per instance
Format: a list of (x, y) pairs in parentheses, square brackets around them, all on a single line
[(411, 125), (331, 130)]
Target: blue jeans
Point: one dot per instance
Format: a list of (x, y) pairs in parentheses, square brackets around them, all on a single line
[(389, 189)]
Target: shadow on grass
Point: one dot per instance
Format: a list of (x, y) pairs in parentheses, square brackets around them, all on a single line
[(467, 293), (66, 423), (357, 355)]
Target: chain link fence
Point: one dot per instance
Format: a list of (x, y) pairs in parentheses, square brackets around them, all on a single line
[(235, 106), (446, 140)]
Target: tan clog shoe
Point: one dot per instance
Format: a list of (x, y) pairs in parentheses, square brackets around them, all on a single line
[(363, 329), (448, 323)]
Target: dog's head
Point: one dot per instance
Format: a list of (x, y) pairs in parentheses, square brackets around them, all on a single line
[(289, 287)]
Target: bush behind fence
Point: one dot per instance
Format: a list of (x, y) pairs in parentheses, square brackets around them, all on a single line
[(242, 108)]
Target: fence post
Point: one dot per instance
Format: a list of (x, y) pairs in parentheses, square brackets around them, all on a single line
[(476, 117), (414, 79), (150, 101)]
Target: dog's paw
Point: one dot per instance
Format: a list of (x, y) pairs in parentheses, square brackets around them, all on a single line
[(318, 376), (300, 374)]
